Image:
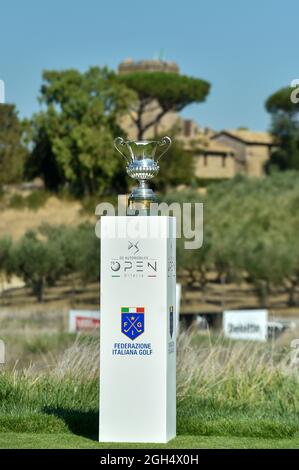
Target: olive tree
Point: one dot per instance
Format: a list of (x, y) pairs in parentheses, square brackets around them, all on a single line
[(37, 262)]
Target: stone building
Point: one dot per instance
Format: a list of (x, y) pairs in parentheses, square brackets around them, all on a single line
[(252, 149), (229, 152), (214, 161), (153, 65)]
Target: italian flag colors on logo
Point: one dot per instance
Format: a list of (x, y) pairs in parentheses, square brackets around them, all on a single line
[(132, 310), (132, 321)]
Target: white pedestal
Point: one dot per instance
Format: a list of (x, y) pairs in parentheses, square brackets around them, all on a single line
[(138, 329)]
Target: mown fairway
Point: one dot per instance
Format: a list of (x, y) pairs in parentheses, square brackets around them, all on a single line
[(65, 441), (229, 394)]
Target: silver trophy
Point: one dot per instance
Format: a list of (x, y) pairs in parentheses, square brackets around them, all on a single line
[(142, 158)]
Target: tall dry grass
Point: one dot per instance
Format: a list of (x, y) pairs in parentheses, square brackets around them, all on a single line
[(223, 388), (211, 369), (230, 371)]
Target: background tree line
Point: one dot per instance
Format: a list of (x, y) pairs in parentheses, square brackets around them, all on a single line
[(250, 228), (283, 105), (69, 141), (251, 231), (43, 257), (250, 234)]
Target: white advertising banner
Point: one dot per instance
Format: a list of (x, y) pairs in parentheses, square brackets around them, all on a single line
[(138, 330), (246, 324), (83, 320)]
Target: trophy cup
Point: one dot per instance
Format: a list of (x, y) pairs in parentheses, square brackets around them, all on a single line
[(142, 158)]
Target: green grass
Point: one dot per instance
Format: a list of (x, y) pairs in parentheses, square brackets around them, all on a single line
[(229, 395), (206, 421), (212, 418), (70, 408), (71, 441)]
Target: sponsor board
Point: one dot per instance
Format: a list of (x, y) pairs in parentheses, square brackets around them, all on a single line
[(245, 324), (83, 320)]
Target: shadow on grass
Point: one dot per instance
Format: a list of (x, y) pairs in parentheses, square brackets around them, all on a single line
[(81, 423), (199, 418)]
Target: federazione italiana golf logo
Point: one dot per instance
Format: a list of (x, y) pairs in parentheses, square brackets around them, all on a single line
[(132, 321), (132, 326)]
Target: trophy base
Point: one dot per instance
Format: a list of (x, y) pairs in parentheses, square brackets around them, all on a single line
[(138, 392), (140, 202), (141, 208)]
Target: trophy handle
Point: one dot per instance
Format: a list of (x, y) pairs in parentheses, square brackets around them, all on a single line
[(165, 141), (120, 144)]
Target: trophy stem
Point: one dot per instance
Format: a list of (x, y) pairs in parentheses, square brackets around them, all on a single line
[(143, 184)]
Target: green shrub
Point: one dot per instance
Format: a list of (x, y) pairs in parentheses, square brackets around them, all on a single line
[(17, 202), (36, 199), (89, 204), (33, 201)]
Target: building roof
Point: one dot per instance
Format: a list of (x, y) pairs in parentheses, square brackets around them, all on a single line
[(218, 147), (208, 146), (248, 137)]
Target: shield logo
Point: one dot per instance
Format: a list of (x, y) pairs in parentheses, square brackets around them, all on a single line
[(171, 321), (132, 321)]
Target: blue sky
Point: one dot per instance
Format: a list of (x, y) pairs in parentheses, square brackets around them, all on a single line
[(245, 49)]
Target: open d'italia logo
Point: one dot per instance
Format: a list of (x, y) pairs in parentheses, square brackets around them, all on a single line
[(132, 321)]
